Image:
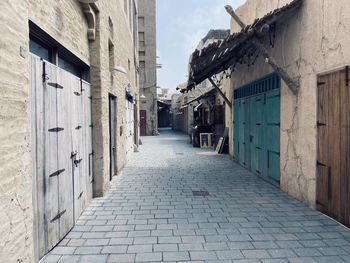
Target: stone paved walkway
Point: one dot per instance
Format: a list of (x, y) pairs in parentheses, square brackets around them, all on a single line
[(151, 215)]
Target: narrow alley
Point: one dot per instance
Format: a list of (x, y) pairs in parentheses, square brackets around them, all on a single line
[(151, 215)]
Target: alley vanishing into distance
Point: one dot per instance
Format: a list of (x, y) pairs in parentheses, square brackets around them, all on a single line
[(151, 215)]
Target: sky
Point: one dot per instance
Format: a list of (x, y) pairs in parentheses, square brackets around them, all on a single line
[(181, 24)]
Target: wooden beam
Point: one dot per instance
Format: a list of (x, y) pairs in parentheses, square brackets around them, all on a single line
[(220, 92), (230, 10), (292, 84)]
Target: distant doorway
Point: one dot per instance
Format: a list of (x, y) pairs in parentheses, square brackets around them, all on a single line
[(112, 133), (143, 121)]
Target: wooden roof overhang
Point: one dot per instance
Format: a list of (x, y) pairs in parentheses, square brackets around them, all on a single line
[(221, 55)]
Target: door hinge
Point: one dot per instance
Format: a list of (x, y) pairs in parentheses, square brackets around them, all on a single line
[(77, 93), (278, 124), (90, 98), (57, 129), (320, 124), (320, 164), (81, 194), (55, 85), (57, 173), (58, 216), (78, 127), (73, 154), (319, 83), (257, 171), (258, 100), (258, 148), (76, 162), (258, 124), (44, 72), (91, 126)]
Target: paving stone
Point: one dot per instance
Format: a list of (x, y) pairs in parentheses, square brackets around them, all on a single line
[(69, 259), (94, 258), (165, 247), (229, 254), (176, 256), (148, 257), (121, 258), (114, 249), (255, 253), (151, 215), (140, 249), (205, 255)]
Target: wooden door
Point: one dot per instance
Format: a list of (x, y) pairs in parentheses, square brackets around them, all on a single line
[(143, 120), (61, 146), (136, 111), (333, 153), (112, 135), (273, 121)]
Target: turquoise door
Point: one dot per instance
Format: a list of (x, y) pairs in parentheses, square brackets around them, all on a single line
[(273, 102), (257, 126)]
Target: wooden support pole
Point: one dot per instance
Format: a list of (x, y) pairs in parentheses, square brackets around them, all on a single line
[(292, 84), (220, 92)]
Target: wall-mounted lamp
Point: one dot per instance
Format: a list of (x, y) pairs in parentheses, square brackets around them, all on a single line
[(142, 96), (119, 68), (87, 1)]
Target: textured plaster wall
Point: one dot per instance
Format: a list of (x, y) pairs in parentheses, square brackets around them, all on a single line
[(147, 9), (16, 214), (65, 21), (102, 86), (313, 41)]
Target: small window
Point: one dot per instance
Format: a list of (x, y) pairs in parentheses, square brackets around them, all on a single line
[(111, 30), (111, 55), (40, 50), (68, 66), (141, 21), (141, 43), (142, 64), (141, 36), (142, 53)]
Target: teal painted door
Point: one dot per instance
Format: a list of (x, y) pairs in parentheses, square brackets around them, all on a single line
[(273, 101), (236, 129), (257, 126)]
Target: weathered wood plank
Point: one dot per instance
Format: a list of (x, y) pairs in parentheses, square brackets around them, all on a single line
[(51, 188), (65, 179)]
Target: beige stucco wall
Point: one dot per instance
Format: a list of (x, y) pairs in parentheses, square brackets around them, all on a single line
[(122, 40), (148, 86), (65, 21), (313, 41), (16, 212)]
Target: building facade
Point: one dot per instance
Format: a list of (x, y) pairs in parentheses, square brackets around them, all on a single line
[(69, 92), (148, 67), (289, 87)]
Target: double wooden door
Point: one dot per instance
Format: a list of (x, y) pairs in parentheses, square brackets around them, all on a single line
[(333, 154), (62, 151), (257, 126)]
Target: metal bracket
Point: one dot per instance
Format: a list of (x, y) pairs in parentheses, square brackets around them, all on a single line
[(57, 173), (320, 124), (347, 75), (55, 85), (58, 216), (57, 129), (320, 164)]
